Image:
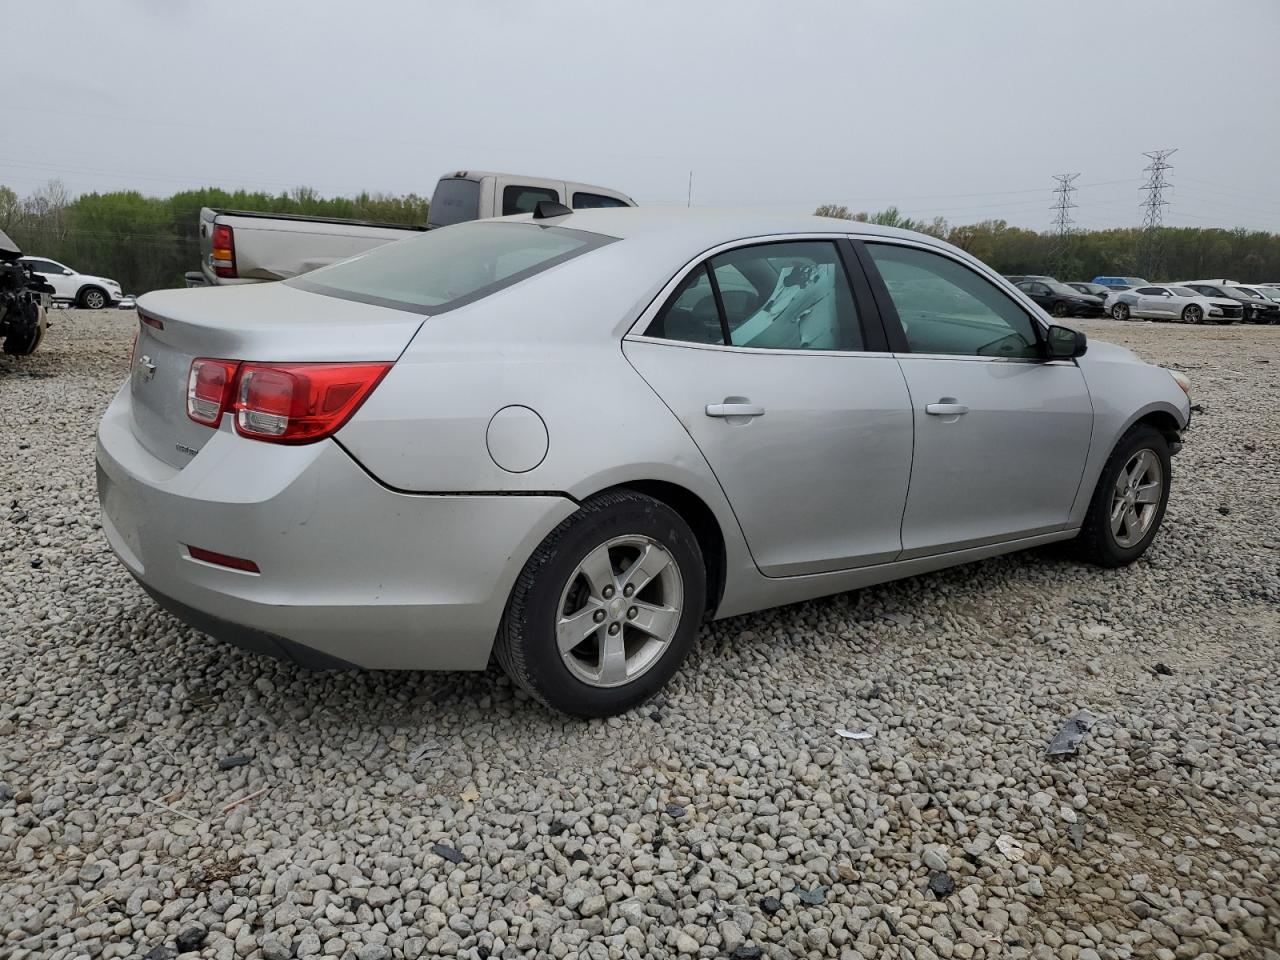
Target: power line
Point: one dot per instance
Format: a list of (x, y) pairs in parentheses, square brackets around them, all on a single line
[(1149, 247), (1062, 221)]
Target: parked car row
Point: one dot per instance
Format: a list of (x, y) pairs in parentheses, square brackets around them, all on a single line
[(1060, 299), (1197, 301), (1126, 298)]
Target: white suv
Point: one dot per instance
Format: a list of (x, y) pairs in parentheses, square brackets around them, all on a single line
[(79, 289)]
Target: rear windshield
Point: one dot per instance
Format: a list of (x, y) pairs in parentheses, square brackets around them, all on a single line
[(449, 267), (454, 201)]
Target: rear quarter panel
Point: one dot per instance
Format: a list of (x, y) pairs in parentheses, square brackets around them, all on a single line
[(552, 344)]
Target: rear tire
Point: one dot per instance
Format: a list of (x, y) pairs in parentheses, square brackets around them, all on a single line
[(1142, 456), (564, 591), (1120, 312), (92, 298)]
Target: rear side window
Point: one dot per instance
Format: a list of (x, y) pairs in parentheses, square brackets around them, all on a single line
[(1149, 291), (690, 316), (447, 268), (792, 295), (589, 201), (455, 201), (946, 308), (517, 199)]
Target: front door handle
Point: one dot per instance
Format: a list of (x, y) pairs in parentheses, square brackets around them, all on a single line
[(946, 407), (735, 409)]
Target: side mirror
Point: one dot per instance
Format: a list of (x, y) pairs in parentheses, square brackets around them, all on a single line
[(67, 272), (1063, 343)]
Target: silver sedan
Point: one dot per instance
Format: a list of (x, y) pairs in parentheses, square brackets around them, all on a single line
[(564, 439)]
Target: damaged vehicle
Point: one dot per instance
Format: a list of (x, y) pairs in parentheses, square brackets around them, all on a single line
[(564, 439), (24, 301)]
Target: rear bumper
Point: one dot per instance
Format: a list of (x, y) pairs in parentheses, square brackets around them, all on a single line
[(351, 573)]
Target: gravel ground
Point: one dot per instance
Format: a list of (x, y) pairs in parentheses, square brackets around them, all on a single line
[(415, 815)]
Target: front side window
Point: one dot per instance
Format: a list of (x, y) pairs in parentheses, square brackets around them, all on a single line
[(447, 268), (591, 201), (792, 295), (44, 266), (946, 308), (517, 199)]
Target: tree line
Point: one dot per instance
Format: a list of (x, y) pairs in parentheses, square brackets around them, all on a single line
[(1188, 253), (150, 242)]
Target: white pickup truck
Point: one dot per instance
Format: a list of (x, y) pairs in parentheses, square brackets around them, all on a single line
[(240, 246)]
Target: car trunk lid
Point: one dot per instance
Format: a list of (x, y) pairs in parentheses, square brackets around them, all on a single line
[(271, 323)]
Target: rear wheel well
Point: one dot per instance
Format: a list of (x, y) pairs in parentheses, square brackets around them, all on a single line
[(702, 522), (1164, 422)]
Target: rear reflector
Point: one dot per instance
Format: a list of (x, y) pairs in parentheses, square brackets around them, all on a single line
[(210, 385), (151, 321), (280, 402), (222, 560)]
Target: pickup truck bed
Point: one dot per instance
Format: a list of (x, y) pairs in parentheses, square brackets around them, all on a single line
[(276, 246)]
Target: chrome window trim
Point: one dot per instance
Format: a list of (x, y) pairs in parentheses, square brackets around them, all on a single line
[(636, 331), (753, 351)]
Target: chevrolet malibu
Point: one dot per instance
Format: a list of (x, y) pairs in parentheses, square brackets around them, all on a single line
[(564, 439)]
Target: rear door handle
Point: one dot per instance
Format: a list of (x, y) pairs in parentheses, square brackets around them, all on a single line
[(946, 408), (734, 410)]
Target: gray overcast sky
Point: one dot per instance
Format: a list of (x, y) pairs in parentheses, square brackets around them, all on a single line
[(963, 109)]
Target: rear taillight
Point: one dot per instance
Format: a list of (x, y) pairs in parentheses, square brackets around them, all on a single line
[(223, 260), (280, 402), (210, 389), (301, 402)]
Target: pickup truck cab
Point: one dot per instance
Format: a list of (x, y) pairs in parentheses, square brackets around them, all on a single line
[(477, 194)]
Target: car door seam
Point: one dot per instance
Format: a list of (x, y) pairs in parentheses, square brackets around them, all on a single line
[(685, 427)]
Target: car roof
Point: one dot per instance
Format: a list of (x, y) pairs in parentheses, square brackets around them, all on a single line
[(710, 226)]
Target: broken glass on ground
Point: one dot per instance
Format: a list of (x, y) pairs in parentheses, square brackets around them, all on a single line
[(1067, 740)]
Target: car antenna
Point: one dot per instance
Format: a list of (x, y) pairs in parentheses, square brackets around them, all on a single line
[(546, 209)]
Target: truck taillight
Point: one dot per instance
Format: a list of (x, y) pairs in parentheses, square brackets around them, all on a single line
[(223, 259), (280, 402)]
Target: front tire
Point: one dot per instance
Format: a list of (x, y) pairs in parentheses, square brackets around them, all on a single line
[(92, 298), (1120, 312), (1059, 309), (1192, 314), (1129, 501), (607, 607)]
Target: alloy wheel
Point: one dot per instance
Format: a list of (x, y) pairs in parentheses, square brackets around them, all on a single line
[(1194, 314), (619, 611), (94, 300), (1135, 499), (1119, 312)]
